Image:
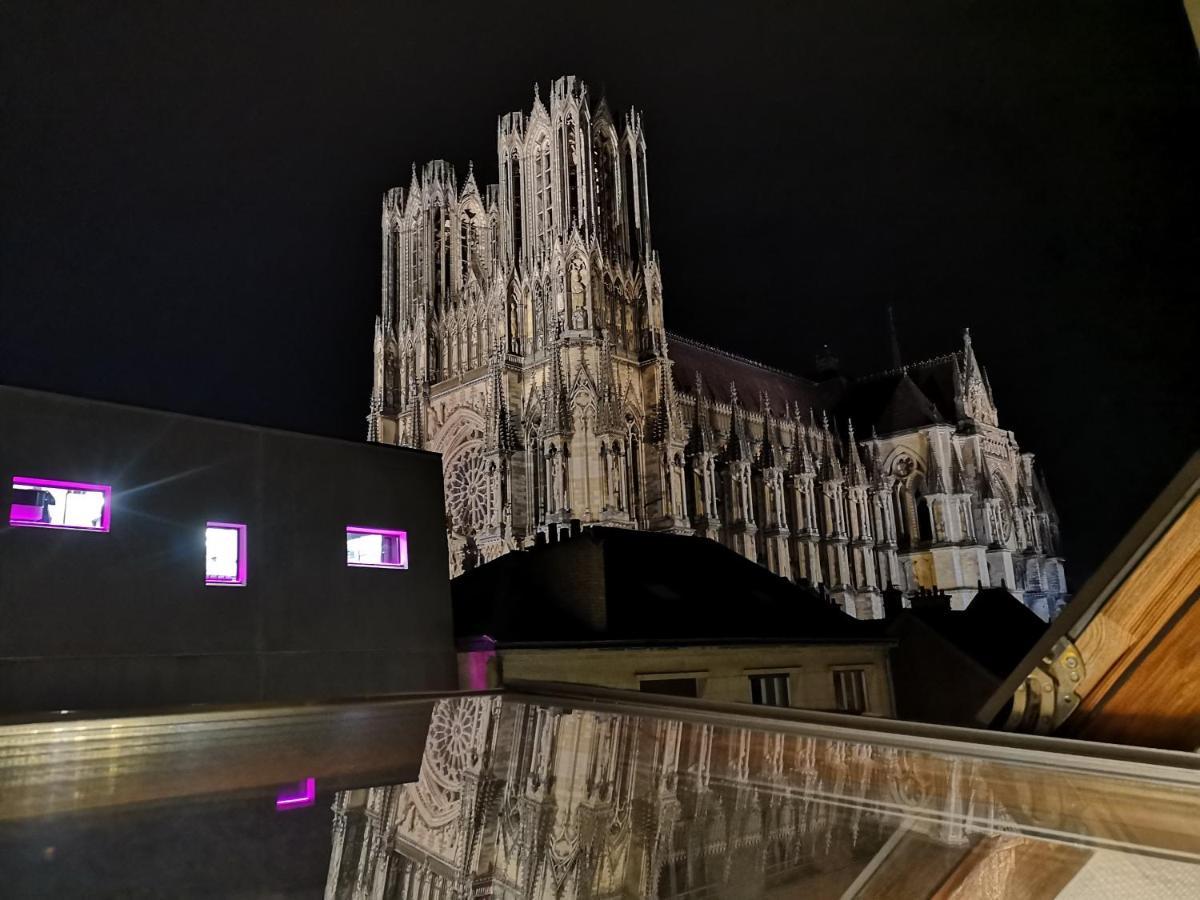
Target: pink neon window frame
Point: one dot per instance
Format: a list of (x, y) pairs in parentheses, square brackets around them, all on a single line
[(241, 555), (400, 539), (103, 489), (303, 793)]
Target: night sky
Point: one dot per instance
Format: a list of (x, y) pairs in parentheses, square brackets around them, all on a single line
[(189, 197)]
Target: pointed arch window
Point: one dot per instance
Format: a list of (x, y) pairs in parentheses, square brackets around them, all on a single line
[(414, 260), (395, 259), (542, 195), (573, 151), (468, 241), (514, 168)]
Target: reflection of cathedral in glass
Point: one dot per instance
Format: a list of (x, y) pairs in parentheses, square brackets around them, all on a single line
[(522, 336), (518, 800)]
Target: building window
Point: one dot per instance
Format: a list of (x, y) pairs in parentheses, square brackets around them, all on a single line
[(675, 687), (377, 548), (43, 503), (850, 686), (224, 554), (770, 690), (542, 200)]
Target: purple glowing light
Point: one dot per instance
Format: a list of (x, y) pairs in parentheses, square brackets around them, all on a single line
[(376, 548), (26, 515), (218, 578), (303, 793)]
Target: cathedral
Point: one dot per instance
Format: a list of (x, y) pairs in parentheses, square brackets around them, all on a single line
[(522, 336)]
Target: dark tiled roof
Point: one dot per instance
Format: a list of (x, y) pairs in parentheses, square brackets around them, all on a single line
[(612, 584), (718, 369), (996, 629), (917, 396)]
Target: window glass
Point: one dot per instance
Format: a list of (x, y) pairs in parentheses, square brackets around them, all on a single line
[(770, 690), (376, 547), (43, 503), (225, 554), (850, 685)]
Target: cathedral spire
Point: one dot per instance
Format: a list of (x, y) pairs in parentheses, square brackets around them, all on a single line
[(666, 419), (737, 429), (802, 462), (557, 419), (608, 413), (701, 440), (416, 404), (373, 418), (858, 473), (770, 453), (831, 466), (500, 436)]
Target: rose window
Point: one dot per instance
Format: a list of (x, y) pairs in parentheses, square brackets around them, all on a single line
[(467, 489), (451, 745)]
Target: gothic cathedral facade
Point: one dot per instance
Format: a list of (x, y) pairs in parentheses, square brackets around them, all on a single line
[(522, 336)]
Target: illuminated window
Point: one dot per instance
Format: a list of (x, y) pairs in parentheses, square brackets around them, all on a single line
[(225, 554), (378, 548), (42, 503)]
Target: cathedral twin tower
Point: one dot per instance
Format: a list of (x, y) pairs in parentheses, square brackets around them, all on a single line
[(521, 335)]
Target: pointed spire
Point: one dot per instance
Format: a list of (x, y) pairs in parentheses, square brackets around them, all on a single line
[(469, 186), (501, 437), (666, 425), (373, 418), (737, 435), (769, 455), (557, 419), (831, 466), (858, 473), (417, 439), (608, 414), (701, 439)]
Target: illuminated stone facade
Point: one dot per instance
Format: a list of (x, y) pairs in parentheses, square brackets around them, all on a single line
[(521, 335)]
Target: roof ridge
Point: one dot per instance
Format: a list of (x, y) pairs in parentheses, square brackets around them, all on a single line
[(920, 364), (676, 336)]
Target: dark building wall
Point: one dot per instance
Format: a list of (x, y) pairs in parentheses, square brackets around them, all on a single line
[(124, 618)]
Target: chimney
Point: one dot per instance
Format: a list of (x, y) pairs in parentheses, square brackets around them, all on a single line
[(893, 601), (931, 600)]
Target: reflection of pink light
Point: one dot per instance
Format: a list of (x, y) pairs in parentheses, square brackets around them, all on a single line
[(304, 794), (240, 580), (104, 489), (395, 544)]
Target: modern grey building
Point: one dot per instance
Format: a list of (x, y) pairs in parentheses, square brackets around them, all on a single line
[(149, 558)]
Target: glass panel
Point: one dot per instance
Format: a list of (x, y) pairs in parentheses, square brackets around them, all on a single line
[(376, 548), (224, 554), (44, 503), (418, 796)]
